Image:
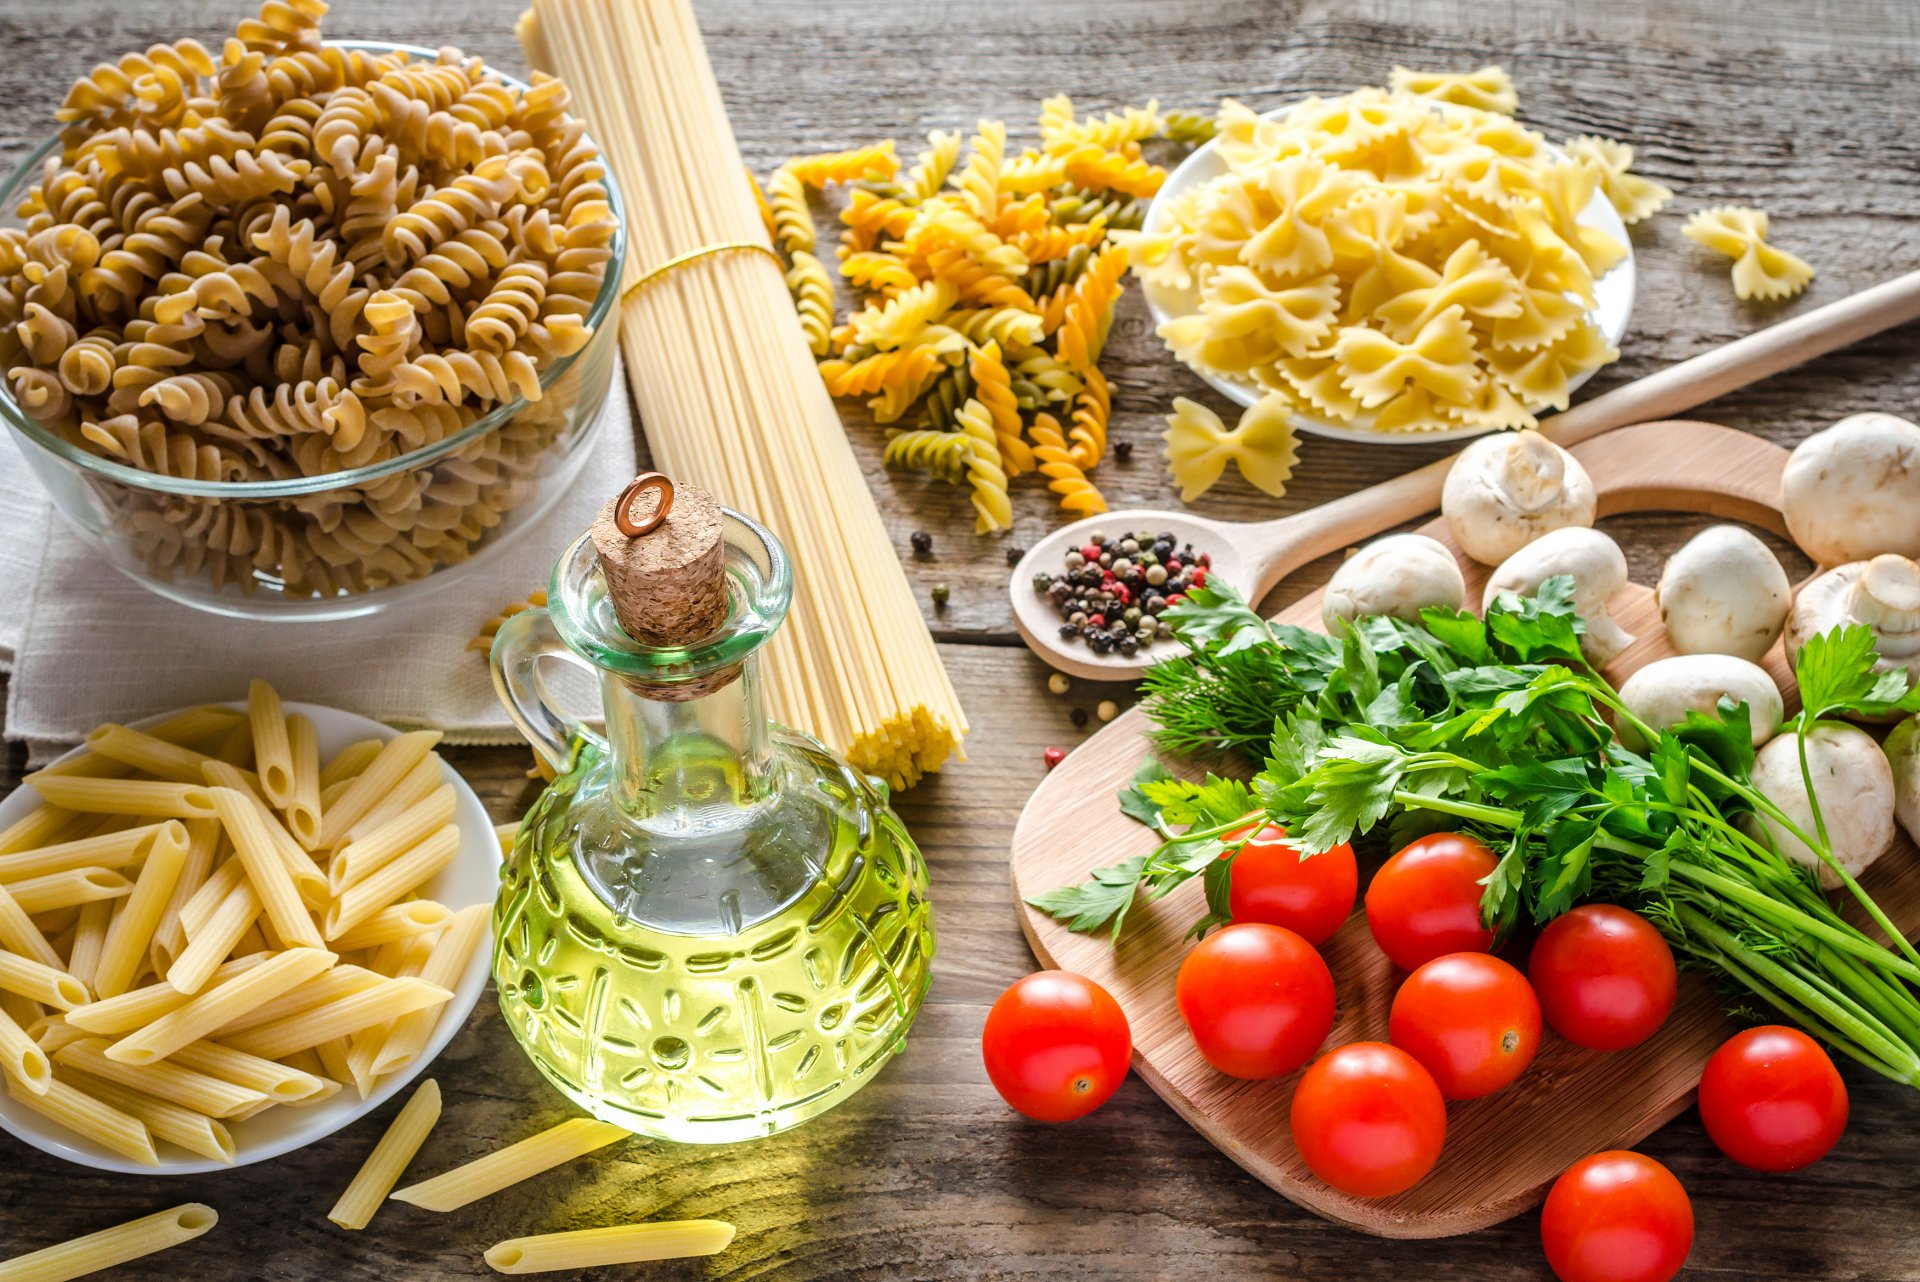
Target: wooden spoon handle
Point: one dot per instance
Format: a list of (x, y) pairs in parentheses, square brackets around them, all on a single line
[(1278, 548)]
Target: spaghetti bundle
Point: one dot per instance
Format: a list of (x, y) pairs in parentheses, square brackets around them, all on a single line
[(727, 388)]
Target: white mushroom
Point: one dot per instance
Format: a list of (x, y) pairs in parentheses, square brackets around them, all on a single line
[(1903, 757), (1853, 491), (1723, 593), (1666, 690), (1854, 783), (1883, 593), (1507, 489), (1599, 570), (1399, 575)]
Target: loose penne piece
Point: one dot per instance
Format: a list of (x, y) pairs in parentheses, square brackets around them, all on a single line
[(159, 799), (280, 899), (78, 1257), (303, 802), (395, 921), (67, 1105), (485, 1176), (142, 1006), (218, 1006), (367, 897), (37, 895), (390, 1000), (37, 981), (397, 757), (124, 954), (201, 1092), (272, 752), (194, 1132), (615, 1244), (389, 1159)]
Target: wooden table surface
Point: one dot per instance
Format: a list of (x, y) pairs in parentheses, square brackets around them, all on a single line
[(1804, 107)]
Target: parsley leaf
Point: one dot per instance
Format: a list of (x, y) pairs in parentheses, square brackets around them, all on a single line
[(1101, 899), (1134, 803), (1837, 677), (1216, 619)]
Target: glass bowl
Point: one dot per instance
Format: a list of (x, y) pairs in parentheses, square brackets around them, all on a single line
[(286, 549)]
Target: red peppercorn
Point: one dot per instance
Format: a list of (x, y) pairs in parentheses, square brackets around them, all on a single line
[(1053, 757), (1090, 551), (1176, 598), (1097, 620), (1206, 560), (1106, 576), (1120, 591), (1199, 579), (1173, 565)]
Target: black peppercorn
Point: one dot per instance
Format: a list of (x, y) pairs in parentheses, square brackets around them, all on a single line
[(922, 542), (1078, 716), (1014, 554), (1123, 451)]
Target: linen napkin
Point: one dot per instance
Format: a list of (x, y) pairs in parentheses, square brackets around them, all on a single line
[(91, 645)]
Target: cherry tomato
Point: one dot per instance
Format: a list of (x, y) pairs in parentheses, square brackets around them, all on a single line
[(1616, 1217), (1257, 998), (1470, 1019), (1604, 976), (1425, 901), (1771, 1099), (1368, 1119), (1273, 884), (1056, 1045)]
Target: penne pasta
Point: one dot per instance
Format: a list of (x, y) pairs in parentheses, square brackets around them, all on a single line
[(300, 866), (51, 1032), (279, 898), (417, 785), (20, 935), (147, 752), (445, 966), (397, 756), (217, 937), (389, 1159), (485, 1176), (391, 999), (272, 752), (362, 856), (395, 921), (228, 877), (198, 725), (165, 1120), (349, 762), (124, 954), (142, 1006), (108, 850), (80, 1256), (89, 939), (170, 935), (84, 764), (21, 1059), (506, 834), (280, 1083), (303, 802), (332, 1055), (236, 746), (40, 982), (37, 895), (387, 884), (341, 981), (67, 1105), (198, 1091), (614, 1244), (40, 826), (160, 799), (221, 1005)]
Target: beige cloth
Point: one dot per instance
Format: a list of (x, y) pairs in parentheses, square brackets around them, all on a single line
[(88, 645)]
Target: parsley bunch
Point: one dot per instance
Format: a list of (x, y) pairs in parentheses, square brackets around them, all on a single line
[(1497, 727)]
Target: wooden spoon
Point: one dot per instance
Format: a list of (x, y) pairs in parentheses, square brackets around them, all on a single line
[(1255, 555)]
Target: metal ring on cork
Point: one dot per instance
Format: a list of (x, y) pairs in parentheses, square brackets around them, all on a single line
[(623, 506)]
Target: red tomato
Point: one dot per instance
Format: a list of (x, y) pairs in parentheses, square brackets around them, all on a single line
[(1257, 998), (1470, 1019), (1056, 1045), (1604, 976), (1771, 1099), (1616, 1217), (1273, 884), (1368, 1119), (1425, 901)]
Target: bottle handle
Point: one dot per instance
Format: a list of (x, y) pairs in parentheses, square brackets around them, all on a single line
[(523, 640)]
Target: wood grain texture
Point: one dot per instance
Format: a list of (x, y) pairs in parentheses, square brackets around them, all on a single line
[(1571, 1102), (1804, 107)]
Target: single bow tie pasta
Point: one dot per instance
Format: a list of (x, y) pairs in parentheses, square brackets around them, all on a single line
[(1760, 270), (1199, 446)]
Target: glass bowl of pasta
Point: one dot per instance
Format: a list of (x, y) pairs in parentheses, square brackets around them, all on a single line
[(1396, 268), (277, 1046), (306, 353)]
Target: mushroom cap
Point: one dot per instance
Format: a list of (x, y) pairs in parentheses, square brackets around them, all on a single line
[(1854, 782), (1853, 491), (1399, 575), (1507, 489), (1666, 690), (1599, 569), (1883, 593), (1724, 592)]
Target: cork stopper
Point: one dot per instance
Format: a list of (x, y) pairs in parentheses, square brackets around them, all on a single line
[(662, 550)]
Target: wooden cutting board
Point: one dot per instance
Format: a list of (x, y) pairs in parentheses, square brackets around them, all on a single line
[(1501, 1151)]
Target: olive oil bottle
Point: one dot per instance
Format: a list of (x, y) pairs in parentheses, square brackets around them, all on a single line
[(709, 929)]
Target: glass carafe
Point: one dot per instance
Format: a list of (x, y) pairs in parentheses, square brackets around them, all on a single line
[(709, 927)]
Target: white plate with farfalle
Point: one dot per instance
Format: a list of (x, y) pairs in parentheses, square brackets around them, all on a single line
[(1550, 368)]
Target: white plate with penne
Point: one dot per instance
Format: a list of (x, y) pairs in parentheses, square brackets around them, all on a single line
[(230, 931)]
